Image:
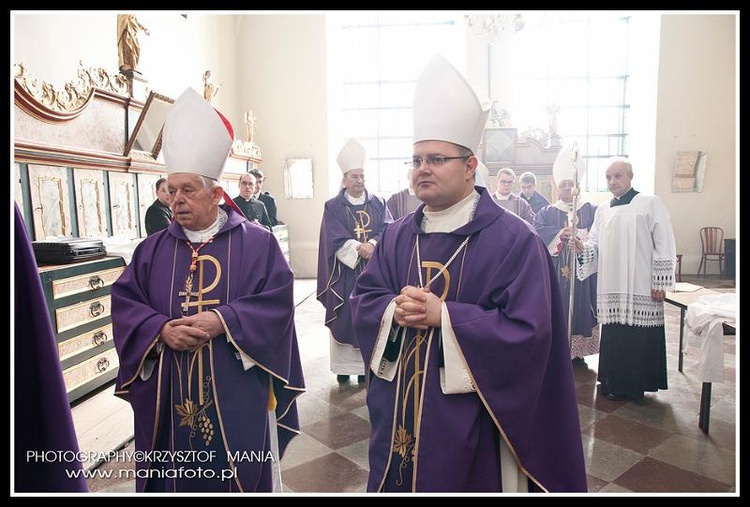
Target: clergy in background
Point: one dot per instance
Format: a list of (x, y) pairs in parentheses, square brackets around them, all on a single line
[(553, 223), (460, 322), (350, 228), (203, 324), (505, 198), (253, 209), (404, 201), (529, 194)]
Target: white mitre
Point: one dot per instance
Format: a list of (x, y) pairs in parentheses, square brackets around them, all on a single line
[(197, 138), (446, 108), (563, 168), (352, 156)]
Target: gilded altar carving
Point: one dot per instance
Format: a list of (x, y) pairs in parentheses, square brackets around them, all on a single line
[(42, 100)]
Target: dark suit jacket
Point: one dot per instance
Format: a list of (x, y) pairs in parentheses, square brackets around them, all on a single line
[(158, 217), (254, 210), (270, 203)]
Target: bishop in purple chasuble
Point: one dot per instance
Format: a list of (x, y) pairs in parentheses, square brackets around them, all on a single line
[(549, 222), (341, 222), (505, 310), (41, 410), (210, 407)]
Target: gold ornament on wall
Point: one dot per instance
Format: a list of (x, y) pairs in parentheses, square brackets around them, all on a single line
[(42, 100)]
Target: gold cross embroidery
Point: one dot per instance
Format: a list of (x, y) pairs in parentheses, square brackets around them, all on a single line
[(188, 293)]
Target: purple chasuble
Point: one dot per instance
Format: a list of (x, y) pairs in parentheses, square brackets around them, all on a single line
[(341, 222), (402, 203), (43, 424), (204, 404), (506, 312), (548, 222)]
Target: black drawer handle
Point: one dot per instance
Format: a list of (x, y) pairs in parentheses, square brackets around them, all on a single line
[(96, 282), (96, 309), (99, 338), (102, 365)]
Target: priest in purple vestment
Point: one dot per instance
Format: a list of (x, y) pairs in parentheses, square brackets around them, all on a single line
[(505, 198), (203, 323), (553, 224), (43, 425), (350, 228), (404, 201), (460, 321)]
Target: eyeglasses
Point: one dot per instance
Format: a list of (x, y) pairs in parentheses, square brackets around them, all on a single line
[(433, 160), (506, 182)]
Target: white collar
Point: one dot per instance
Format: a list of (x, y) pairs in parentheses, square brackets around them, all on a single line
[(355, 200), (211, 230), (451, 218), (567, 207)]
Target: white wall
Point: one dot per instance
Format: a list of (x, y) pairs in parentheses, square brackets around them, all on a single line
[(283, 80), (698, 110)]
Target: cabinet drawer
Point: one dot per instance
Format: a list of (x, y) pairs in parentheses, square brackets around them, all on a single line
[(86, 341), (90, 369), (84, 283), (75, 315)]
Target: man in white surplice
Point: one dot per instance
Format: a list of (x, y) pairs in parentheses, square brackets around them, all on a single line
[(631, 247)]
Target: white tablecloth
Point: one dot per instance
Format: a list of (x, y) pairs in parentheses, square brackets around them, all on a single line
[(703, 328), (121, 246)]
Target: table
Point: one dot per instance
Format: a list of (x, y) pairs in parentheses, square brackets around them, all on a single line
[(682, 300)]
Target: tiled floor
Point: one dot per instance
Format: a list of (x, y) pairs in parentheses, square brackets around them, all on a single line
[(652, 446)]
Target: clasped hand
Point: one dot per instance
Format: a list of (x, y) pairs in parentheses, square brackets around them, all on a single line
[(190, 333), (418, 308), (365, 250)]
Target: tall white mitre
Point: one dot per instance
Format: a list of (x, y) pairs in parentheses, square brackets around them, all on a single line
[(352, 156), (563, 168), (197, 138), (446, 108), (482, 175)]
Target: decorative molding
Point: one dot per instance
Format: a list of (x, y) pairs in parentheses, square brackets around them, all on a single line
[(45, 103), (486, 28), (246, 150), (60, 156)]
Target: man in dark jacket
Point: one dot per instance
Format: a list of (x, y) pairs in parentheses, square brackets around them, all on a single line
[(254, 210), (159, 214)]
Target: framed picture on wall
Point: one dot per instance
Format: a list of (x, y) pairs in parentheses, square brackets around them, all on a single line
[(499, 145)]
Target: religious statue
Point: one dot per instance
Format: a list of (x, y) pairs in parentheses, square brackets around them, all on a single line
[(499, 117), (250, 125), (128, 47), (552, 113), (210, 89)]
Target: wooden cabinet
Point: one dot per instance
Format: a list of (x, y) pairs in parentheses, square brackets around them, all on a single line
[(50, 201), (79, 303), (123, 204), (90, 205)]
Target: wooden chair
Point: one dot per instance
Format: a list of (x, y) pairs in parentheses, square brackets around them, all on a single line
[(712, 246)]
